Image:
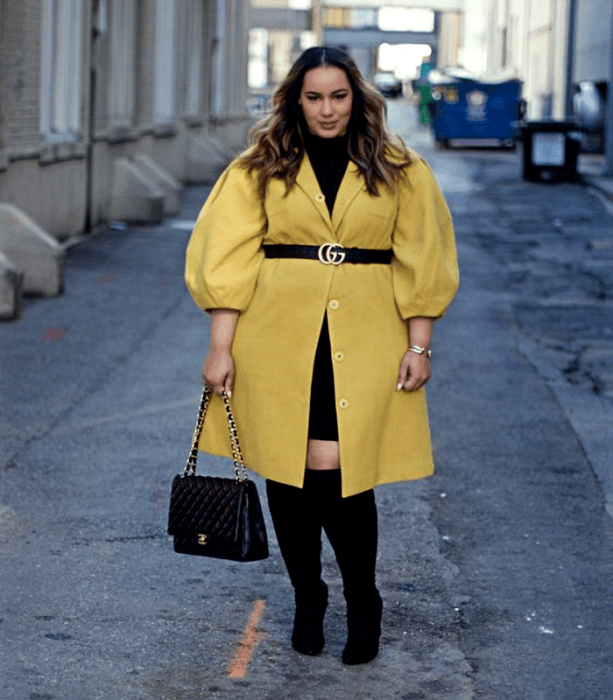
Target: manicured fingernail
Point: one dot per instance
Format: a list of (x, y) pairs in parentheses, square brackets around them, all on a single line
[(229, 394), (398, 386)]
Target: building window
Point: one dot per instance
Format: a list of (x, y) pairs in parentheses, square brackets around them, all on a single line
[(62, 64), (195, 49), (257, 68), (122, 58), (164, 102)]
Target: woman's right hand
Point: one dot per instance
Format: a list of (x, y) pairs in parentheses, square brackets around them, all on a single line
[(218, 371), (218, 368)]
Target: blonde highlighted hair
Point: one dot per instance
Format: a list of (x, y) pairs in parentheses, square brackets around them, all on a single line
[(278, 140)]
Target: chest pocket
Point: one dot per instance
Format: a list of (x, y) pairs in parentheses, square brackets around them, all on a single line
[(365, 207)]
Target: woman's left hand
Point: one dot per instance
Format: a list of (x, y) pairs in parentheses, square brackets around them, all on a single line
[(414, 371)]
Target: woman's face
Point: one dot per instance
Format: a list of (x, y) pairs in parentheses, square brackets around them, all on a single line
[(326, 100)]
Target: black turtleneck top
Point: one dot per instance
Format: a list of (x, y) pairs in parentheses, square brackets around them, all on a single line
[(329, 158)]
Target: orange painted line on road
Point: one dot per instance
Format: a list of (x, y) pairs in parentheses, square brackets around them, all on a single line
[(53, 334), (247, 645)]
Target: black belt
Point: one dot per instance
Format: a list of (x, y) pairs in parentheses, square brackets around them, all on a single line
[(329, 253)]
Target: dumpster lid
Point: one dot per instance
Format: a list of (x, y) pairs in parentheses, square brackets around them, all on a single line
[(449, 75)]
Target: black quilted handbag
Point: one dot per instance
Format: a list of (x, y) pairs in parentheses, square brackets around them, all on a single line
[(213, 516)]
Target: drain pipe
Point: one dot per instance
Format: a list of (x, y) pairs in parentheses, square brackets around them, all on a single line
[(98, 28), (608, 122), (570, 59)]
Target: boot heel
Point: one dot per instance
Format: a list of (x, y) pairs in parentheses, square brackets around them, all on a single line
[(308, 634)]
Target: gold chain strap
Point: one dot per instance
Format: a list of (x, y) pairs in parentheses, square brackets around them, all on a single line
[(240, 470), (237, 456)]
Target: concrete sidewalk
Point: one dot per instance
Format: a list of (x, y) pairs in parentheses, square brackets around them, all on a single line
[(590, 168)]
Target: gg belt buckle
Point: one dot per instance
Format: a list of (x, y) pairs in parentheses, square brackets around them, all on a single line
[(331, 253)]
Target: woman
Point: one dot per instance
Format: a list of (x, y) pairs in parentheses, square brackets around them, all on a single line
[(324, 253)]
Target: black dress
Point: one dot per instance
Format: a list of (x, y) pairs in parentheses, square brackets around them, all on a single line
[(329, 159)]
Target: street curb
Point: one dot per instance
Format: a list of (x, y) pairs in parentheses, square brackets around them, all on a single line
[(605, 188)]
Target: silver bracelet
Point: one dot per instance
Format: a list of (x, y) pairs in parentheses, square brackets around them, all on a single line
[(418, 350)]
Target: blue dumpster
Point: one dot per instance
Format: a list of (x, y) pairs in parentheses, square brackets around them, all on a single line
[(470, 109)]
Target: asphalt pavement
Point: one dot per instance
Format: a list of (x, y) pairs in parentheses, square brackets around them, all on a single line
[(495, 573)]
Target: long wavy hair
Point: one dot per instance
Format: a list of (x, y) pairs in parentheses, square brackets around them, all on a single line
[(278, 140)]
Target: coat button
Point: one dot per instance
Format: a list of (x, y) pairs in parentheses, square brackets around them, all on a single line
[(334, 304), (343, 403), (319, 197), (338, 356)]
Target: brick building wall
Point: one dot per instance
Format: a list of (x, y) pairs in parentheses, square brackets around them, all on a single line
[(20, 41), (64, 178), (45, 180)]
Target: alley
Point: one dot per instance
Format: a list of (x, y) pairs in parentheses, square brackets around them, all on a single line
[(495, 573)]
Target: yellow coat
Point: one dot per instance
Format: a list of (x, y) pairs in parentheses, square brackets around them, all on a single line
[(383, 433)]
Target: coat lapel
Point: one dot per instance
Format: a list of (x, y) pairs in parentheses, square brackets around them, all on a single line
[(350, 186)]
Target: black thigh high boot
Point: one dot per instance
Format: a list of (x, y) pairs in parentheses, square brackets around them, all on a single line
[(351, 526), (297, 523)]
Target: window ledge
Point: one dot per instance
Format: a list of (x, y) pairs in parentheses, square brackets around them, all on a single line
[(122, 134), (21, 153), (229, 118), (57, 152), (164, 131), (194, 120)]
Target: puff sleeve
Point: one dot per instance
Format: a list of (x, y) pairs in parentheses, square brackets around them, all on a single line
[(425, 269), (224, 253)]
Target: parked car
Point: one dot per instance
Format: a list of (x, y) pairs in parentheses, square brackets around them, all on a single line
[(387, 84)]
